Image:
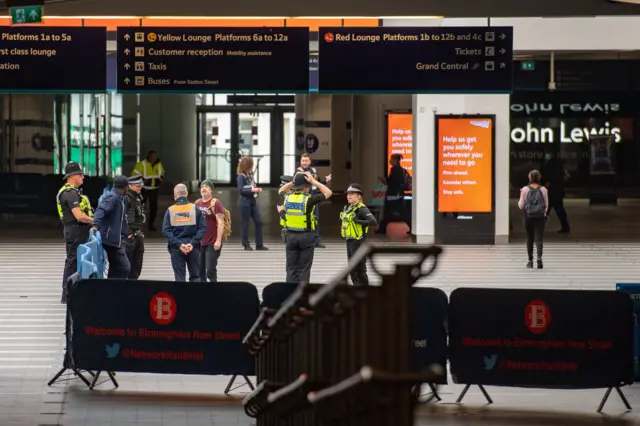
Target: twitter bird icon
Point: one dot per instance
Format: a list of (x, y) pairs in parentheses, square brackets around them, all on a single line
[(112, 351), (490, 362)]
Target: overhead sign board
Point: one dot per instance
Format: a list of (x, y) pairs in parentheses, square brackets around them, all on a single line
[(60, 59), (416, 60), (213, 59)]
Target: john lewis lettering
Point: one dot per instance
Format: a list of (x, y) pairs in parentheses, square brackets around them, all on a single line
[(562, 134)]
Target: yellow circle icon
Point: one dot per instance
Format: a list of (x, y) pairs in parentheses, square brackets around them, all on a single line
[(152, 37)]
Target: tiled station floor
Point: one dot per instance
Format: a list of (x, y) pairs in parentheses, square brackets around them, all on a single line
[(31, 339)]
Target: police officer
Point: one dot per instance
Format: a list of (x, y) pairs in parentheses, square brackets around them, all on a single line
[(111, 221), (284, 179), (300, 225), (135, 220), (356, 219), (305, 166), (76, 214)]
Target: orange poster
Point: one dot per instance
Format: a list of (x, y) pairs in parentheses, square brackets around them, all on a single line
[(465, 165), (400, 140)]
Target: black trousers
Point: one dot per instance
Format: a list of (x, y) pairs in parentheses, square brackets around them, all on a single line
[(209, 263), (180, 262), (556, 202), (151, 200), (359, 274), (135, 254), (74, 235), (535, 232), (247, 213), (299, 248), (119, 265)]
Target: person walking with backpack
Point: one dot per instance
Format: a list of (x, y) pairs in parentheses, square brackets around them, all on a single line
[(211, 244), (534, 200)]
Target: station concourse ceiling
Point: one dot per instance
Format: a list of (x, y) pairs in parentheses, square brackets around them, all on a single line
[(338, 8)]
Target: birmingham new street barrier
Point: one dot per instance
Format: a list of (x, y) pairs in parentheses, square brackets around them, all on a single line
[(339, 354), (554, 339)]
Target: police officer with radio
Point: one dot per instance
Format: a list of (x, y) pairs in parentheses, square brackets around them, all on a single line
[(300, 224), (356, 219), (135, 220), (284, 179), (76, 215)]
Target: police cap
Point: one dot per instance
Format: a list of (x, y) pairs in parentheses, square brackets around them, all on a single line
[(72, 168), (299, 181)]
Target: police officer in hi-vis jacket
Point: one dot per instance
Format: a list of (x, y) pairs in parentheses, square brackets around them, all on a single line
[(300, 224), (76, 215), (305, 166), (356, 219)]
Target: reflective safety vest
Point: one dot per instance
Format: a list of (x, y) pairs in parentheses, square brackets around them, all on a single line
[(183, 215), (349, 229), (85, 205), (295, 218), (150, 173)]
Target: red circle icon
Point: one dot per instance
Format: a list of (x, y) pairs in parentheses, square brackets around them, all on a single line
[(537, 317), (163, 308), (328, 37)]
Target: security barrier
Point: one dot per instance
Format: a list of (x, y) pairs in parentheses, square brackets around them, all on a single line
[(633, 290), (562, 339), (339, 353), (91, 258)]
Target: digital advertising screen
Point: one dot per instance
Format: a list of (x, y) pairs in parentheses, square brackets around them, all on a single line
[(465, 164), (400, 139)]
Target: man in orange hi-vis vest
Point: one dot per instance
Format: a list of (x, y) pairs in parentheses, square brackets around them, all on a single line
[(184, 226)]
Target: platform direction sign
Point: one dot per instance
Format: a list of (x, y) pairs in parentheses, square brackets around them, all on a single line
[(200, 60), (53, 59), (416, 60)]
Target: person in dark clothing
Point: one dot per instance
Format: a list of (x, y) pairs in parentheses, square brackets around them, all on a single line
[(247, 203), (135, 221), (534, 200), (76, 214), (396, 186), (111, 221), (554, 173), (211, 244), (184, 226), (356, 219), (300, 224), (152, 171)]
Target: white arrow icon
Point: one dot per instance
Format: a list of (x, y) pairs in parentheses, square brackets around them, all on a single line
[(33, 14), (127, 37), (503, 65), (127, 52), (503, 36), (127, 81), (127, 66), (503, 51)]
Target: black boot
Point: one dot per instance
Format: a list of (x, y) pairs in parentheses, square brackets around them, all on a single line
[(540, 264), (530, 264)]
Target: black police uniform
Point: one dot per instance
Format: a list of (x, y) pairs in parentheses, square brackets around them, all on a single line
[(300, 243), (135, 220), (75, 233)]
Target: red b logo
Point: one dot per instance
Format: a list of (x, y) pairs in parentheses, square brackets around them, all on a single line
[(537, 317), (328, 37), (163, 308)]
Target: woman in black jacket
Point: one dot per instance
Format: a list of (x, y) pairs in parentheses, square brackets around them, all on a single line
[(247, 203)]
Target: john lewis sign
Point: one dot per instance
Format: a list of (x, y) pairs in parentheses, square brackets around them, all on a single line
[(562, 134)]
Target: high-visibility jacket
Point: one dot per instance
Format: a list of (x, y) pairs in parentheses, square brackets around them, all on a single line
[(349, 229), (183, 215), (85, 205), (295, 218), (151, 173)]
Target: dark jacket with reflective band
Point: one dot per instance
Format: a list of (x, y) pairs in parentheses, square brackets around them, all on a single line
[(296, 218), (135, 212), (356, 220), (184, 223), (85, 205)]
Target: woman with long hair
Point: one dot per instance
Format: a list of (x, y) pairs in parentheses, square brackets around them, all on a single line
[(247, 203), (534, 200)]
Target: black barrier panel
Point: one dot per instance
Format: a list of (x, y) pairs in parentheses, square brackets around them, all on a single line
[(541, 338), (162, 327), (429, 329), (274, 295)]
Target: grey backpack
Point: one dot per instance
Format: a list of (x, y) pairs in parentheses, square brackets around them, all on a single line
[(534, 206)]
